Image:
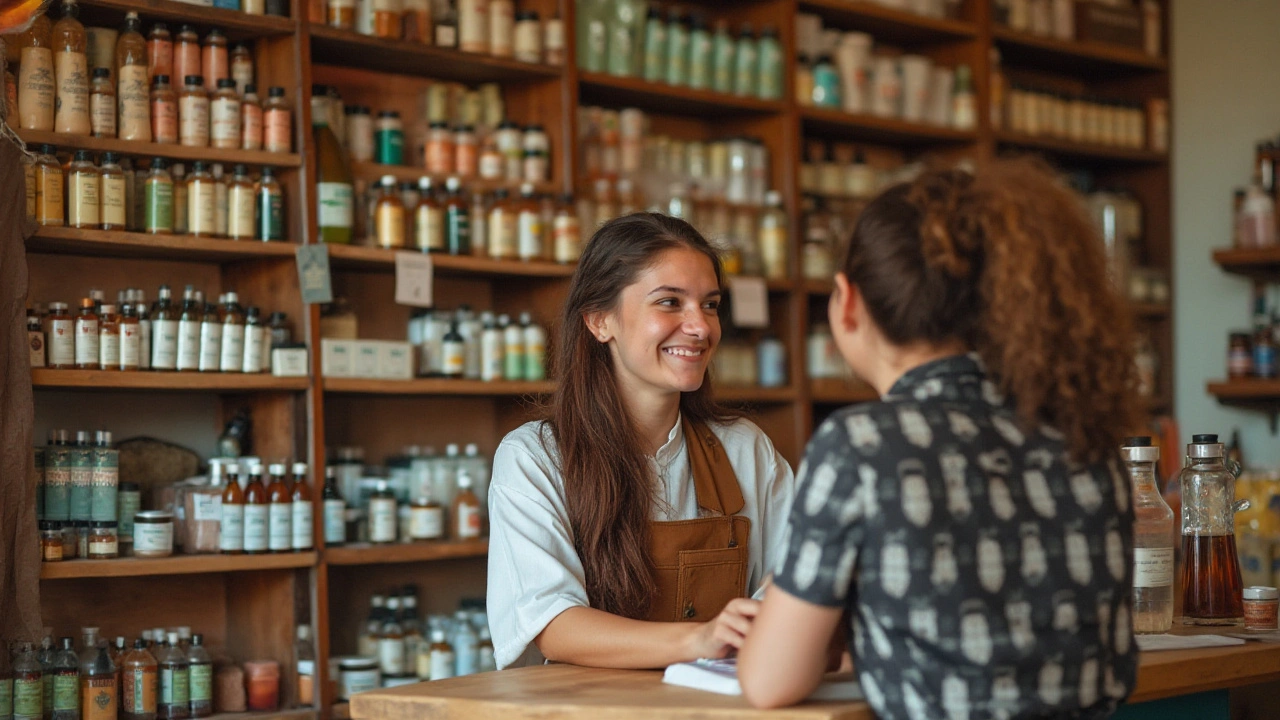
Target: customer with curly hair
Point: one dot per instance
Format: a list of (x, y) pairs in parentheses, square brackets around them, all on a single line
[(974, 523)]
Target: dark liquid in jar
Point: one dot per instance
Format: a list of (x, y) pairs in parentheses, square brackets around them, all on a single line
[(1212, 592)]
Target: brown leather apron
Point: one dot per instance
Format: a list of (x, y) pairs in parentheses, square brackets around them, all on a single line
[(702, 564)]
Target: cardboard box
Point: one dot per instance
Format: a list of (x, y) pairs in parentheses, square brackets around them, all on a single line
[(395, 361), (365, 360), (337, 357), (289, 362)]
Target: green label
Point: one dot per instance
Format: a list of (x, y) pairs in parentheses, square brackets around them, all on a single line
[(6, 697), (175, 688), (457, 230), (388, 147), (270, 215), (47, 686), (28, 699), (66, 692), (127, 505), (201, 683), (158, 211)]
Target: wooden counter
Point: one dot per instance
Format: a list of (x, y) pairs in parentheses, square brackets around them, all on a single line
[(567, 691)]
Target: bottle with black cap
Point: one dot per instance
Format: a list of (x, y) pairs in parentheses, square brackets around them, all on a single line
[(1212, 592)]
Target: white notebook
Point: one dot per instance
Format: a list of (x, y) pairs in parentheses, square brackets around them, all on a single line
[(721, 676)]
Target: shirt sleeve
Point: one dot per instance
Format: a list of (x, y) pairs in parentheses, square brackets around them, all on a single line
[(826, 526), (778, 487), (534, 572)]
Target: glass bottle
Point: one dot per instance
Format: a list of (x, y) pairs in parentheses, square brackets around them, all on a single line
[(566, 233), (441, 656), (130, 339), (87, 336), (655, 46), (240, 205), (193, 112), (132, 81), (220, 193), (269, 206), (391, 642), (447, 26), (98, 680), (769, 85), (528, 225), (367, 642), (164, 110), (280, 513), (28, 685), (503, 227), (109, 338), (71, 103), (36, 88), (700, 57), (964, 105), (502, 15), (102, 104), (300, 494), (188, 344), (428, 219), (160, 50), (200, 667), (774, 245), (210, 339), (50, 206), (158, 198), (341, 14), (453, 353), (140, 683), (200, 201), (382, 514), (1211, 584), (335, 508), (335, 196), (231, 535), (215, 59), (1153, 548), (241, 68), (224, 116), (513, 349), (677, 48), (277, 121), (175, 681), (255, 510), (465, 516), (388, 214), (84, 192), (65, 670), (251, 127), (46, 655), (724, 63), (186, 54), (426, 518), (255, 335), (456, 219), (747, 62)]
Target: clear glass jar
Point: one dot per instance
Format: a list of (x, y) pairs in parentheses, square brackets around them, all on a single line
[(104, 543), (1211, 583)]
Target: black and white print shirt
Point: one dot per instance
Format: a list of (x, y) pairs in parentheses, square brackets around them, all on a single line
[(986, 575)]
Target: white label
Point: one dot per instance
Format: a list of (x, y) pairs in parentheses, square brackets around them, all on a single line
[(281, 526), (750, 303), (62, 342), (87, 341), (391, 656), (426, 523), (188, 345), (441, 664), (232, 528), (210, 345), (153, 537), (302, 537), (468, 521), (253, 342), (1152, 567), (414, 276), (492, 355), (130, 345), (255, 528), (335, 204), (109, 351), (530, 233), (232, 348), (208, 507), (144, 347), (382, 520), (335, 528), (164, 344)]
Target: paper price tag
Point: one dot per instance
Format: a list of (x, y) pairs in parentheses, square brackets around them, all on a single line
[(313, 273), (414, 279), (749, 301)]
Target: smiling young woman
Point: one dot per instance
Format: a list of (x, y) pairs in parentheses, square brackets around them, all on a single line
[(629, 526)]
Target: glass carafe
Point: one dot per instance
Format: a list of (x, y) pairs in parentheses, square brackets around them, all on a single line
[(1211, 584)]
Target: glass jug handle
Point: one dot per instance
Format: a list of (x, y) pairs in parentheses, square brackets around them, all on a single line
[(1235, 468)]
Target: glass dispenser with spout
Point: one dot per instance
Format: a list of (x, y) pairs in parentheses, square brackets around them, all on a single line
[(1211, 584)]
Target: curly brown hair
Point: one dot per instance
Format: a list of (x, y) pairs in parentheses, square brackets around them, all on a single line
[(1007, 261)]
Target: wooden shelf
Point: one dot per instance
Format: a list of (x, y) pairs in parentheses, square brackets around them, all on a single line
[(165, 150), (294, 714), (373, 172), (1246, 389), (1150, 309), (749, 394), (1080, 59), (1251, 262), (360, 257), (115, 243), (366, 554), (1070, 150), (436, 386), (332, 46), (821, 288), (237, 25), (838, 391), (45, 378), (174, 565), (663, 99), (869, 128), (897, 27)]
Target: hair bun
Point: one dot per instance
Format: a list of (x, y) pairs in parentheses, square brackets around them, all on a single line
[(947, 245)]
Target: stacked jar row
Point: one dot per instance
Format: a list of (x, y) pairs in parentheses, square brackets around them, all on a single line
[(1087, 119)]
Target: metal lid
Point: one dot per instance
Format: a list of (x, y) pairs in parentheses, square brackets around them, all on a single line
[(1205, 446), (153, 516), (1261, 592), (356, 662), (1139, 449)]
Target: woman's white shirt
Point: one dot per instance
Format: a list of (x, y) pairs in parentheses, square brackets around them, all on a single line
[(534, 571)]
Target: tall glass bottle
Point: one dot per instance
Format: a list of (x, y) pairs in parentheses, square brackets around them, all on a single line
[(1152, 540), (140, 683), (1211, 583), (175, 681), (280, 512), (164, 332), (66, 682), (71, 106), (36, 87), (335, 196), (200, 671), (335, 529), (255, 512), (391, 642), (28, 685), (47, 655), (188, 346), (132, 95), (300, 494), (98, 680)]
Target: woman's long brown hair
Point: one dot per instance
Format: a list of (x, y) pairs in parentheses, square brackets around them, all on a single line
[(1007, 261), (608, 479)]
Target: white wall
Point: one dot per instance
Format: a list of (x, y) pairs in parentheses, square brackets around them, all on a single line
[(1225, 99)]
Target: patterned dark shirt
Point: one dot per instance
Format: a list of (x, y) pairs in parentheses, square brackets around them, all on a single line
[(986, 575)]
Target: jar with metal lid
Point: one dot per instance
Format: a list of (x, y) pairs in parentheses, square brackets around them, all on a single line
[(153, 533), (70, 541), (1260, 607), (357, 675), (50, 541), (1240, 355), (104, 544)]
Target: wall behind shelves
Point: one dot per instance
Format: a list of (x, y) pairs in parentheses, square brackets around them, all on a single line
[(1224, 101)]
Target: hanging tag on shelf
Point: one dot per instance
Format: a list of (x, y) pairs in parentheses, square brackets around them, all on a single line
[(313, 273), (414, 279), (749, 302)]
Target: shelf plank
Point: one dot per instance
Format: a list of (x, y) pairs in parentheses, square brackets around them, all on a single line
[(897, 27), (235, 24), (115, 243), (333, 46), (436, 386), (1070, 150), (1252, 262), (666, 99), (869, 128), (1150, 309), (821, 288), (359, 257), (1245, 389), (1080, 59), (838, 391), (292, 714), (173, 151), (48, 379), (367, 554), (373, 172), (174, 565), (748, 394)]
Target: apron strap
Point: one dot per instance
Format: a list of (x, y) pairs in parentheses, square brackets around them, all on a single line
[(714, 481)]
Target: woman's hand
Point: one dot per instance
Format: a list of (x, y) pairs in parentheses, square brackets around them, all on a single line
[(726, 633)]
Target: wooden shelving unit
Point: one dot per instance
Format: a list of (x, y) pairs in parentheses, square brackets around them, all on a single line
[(1250, 262), (164, 150), (841, 125), (186, 248), (366, 554), (174, 565), (350, 49), (1081, 152), (236, 25), (890, 24), (433, 386), (1073, 58), (359, 257), (600, 88), (44, 378)]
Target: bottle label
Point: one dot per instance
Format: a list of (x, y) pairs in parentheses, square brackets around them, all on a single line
[(232, 352), (255, 528), (164, 344), (1152, 567), (276, 131), (140, 691), (335, 204), (201, 683), (442, 665), (66, 691), (86, 341), (429, 228), (457, 229), (426, 523), (389, 221), (382, 520), (530, 234), (35, 88), (468, 521), (280, 531), (270, 214), (130, 345), (210, 345), (231, 537), (102, 115), (153, 537), (98, 701), (62, 343), (164, 119), (206, 507), (302, 530), (83, 201), (250, 126), (188, 345), (253, 345), (175, 686), (240, 212), (133, 101), (72, 102), (391, 656), (158, 211), (225, 119), (193, 119), (28, 699), (335, 529), (109, 350), (201, 207)]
